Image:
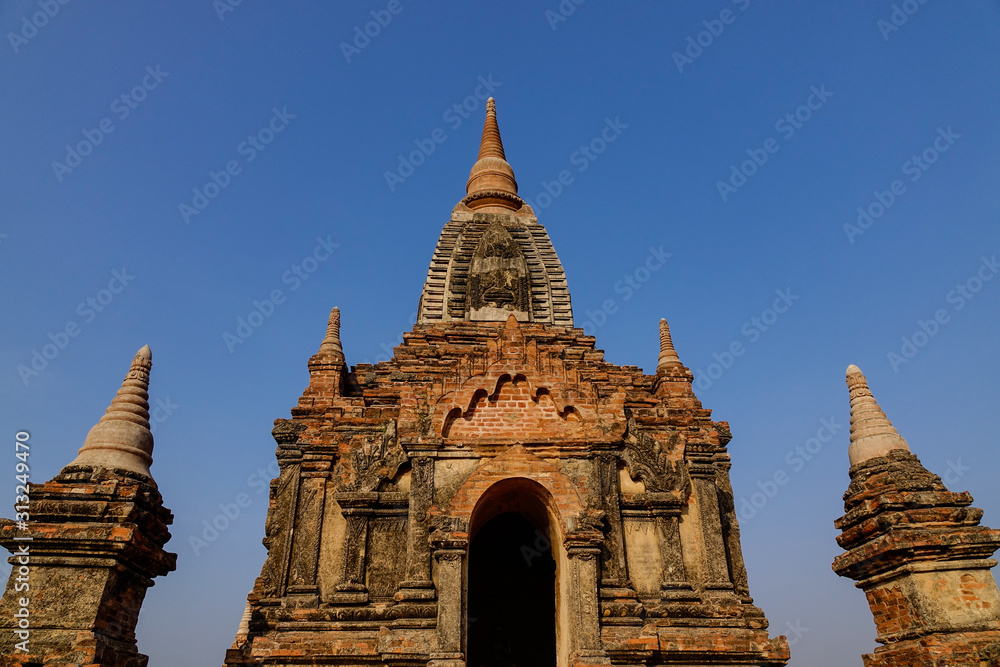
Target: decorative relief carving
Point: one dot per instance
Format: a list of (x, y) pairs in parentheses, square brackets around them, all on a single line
[(286, 431), (448, 524), (647, 461), (613, 572), (731, 530), (387, 560), (418, 549), (591, 520), (355, 546), (449, 556), (494, 194), (422, 486), (378, 459), (280, 515), (282, 614), (139, 370), (498, 276)]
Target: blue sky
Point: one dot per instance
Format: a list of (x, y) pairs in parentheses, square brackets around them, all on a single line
[(198, 85)]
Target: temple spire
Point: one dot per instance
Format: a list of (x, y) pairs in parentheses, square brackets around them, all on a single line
[(872, 434), (122, 439), (491, 145), (331, 343), (491, 183), (668, 355)]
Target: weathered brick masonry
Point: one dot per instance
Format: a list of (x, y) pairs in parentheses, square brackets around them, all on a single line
[(494, 403), (95, 542), (916, 550)]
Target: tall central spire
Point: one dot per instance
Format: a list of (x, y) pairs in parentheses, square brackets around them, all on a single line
[(491, 145), (491, 183), (493, 257)]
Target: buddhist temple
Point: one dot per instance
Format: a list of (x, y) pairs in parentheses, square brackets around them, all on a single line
[(497, 493)]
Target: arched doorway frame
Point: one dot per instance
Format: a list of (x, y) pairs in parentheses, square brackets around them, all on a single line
[(573, 533), (533, 502)]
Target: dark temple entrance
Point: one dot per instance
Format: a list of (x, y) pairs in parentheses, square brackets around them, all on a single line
[(511, 595)]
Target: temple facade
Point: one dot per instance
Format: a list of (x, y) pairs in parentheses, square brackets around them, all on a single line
[(497, 493)]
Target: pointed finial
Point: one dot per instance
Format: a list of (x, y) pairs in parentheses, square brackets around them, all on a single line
[(491, 181), (491, 145), (121, 439), (872, 434), (331, 343), (668, 355)]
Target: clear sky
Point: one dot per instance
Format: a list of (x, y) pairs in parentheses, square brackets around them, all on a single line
[(836, 106)]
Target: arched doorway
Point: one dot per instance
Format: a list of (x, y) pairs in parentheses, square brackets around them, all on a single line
[(512, 579), (512, 602)]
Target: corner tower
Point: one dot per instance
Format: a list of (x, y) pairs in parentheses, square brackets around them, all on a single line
[(89, 545), (498, 493), (916, 549)]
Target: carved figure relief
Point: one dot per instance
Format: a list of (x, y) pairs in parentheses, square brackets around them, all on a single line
[(647, 461), (378, 459), (498, 278)]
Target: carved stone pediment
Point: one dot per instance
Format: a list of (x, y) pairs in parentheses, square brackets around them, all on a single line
[(498, 278), (648, 461), (286, 431), (378, 458), (443, 523)]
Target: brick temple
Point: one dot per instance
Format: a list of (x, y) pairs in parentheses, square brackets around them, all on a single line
[(498, 495)]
